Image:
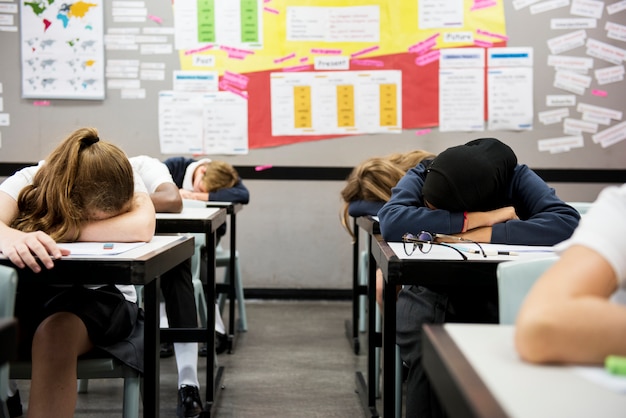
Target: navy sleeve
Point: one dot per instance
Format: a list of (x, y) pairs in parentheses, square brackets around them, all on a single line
[(544, 218), (405, 211), (364, 207), (237, 194), (177, 167)]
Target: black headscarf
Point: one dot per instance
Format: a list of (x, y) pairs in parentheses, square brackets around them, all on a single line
[(470, 177)]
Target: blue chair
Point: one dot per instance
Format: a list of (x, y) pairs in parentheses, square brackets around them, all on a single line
[(515, 279), (8, 287), (581, 207)]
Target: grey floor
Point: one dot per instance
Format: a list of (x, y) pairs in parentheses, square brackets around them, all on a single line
[(294, 361)]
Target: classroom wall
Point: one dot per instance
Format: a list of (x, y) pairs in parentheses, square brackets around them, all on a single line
[(289, 236)]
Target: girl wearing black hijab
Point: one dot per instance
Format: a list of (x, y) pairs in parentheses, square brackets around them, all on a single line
[(477, 191)]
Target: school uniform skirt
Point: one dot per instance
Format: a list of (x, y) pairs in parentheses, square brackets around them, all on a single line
[(114, 324)]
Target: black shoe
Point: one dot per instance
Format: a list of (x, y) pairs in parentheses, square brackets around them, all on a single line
[(189, 403), (14, 405), (167, 350), (221, 345), (221, 342)]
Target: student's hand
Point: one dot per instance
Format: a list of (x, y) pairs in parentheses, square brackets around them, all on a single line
[(490, 218), (24, 248), (185, 194), (504, 214)]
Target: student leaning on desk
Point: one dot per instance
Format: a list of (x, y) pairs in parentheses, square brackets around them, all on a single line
[(207, 180), (213, 181), (477, 191), (84, 191), (368, 187), (177, 289), (576, 311)]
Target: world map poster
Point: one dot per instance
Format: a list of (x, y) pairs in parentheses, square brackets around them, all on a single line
[(62, 50)]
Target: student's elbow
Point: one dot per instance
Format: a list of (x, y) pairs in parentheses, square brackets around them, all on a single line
[(146, 232), (144, 218), (174, 204), (533, 336)]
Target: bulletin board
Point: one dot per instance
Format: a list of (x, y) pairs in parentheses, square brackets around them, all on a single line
[(141, 58), (390, 36)]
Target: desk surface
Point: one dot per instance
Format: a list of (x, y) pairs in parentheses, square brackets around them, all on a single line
[(231, 207), (201, 220), (484, 368), (137, 266)]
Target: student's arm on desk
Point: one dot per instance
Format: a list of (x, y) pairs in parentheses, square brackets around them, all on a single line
[(23, 248), (136, 225), (167, 199), (237, 194), (186, 194), (567, 316)]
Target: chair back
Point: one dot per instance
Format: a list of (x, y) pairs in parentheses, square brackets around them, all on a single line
[(515, 278), (8, 287), (581, 207)]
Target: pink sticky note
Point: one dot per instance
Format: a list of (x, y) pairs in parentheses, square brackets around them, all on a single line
[(262, 167), (368, 63), (285, 58), (422, 131), (600, 93), (41, 103), (155, 19), (364, 51)]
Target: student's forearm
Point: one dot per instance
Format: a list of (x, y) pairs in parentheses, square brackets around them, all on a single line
[(568, 317), (482, 234), (585, 330), (133, 226)]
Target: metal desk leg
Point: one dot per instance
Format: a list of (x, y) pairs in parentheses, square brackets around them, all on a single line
[(389, 348), (352, 327), (152, 348)]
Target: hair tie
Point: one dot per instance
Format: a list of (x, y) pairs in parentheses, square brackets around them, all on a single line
[(89, 140)]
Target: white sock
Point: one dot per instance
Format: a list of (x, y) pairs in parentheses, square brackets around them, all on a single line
[(219, 324), (12, 390), (187, 363), (164, 321)]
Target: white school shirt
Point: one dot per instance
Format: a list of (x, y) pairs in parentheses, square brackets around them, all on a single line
[(153, 172), (14, 184), (188, 179), (603, 229)]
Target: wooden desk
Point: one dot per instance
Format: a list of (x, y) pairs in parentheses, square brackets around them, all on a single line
[(229, 288), (139, 266), (477, 373), (441, 267), (205, 221)]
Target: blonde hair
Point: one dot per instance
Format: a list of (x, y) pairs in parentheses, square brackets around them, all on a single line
[(219, 175), (83, 174), (373, 179)]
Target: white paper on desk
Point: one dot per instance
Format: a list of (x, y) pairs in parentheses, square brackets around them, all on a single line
[(440, 252), (97, 248), (600, 376)]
